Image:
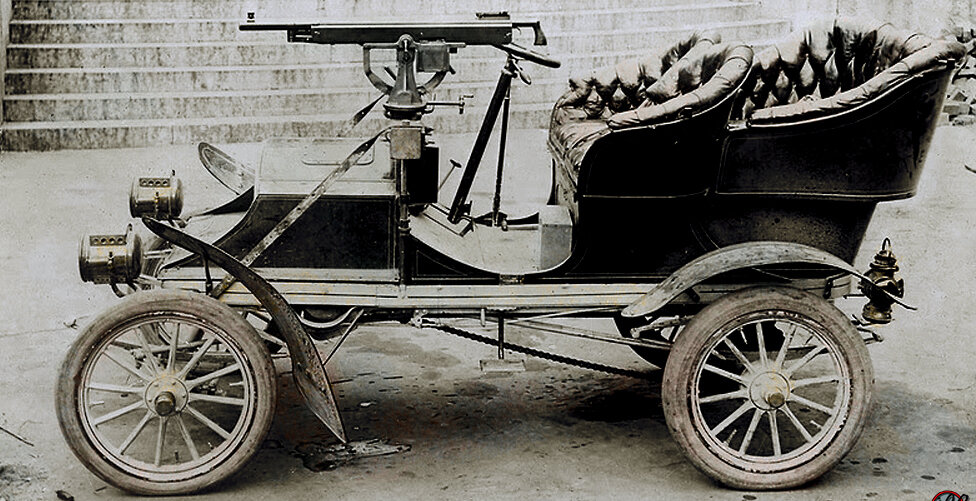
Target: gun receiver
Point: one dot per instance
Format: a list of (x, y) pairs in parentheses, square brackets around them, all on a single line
[(480, 32)]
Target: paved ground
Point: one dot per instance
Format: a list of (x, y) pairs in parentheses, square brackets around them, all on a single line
[(551, 432)]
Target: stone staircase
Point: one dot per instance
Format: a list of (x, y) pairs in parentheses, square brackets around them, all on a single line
[(123, 73)]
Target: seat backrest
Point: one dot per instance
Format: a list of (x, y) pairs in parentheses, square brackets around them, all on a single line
[(834, 65), (688, 77)]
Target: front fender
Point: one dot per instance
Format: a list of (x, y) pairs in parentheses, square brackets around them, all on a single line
[(731, 258), (308, 370)]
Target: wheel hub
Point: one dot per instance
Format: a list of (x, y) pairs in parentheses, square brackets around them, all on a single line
[(166, 396), (769, 390)]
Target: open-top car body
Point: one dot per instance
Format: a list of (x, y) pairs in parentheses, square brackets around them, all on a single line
[(715, 242)]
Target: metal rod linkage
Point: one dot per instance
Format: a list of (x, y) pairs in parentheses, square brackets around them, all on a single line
[(593, 335), (352, 324)]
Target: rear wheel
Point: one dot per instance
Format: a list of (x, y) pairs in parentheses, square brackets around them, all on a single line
[(167, 392), (786, 415)]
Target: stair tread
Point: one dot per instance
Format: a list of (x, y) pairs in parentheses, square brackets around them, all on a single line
[(237, 19), (299, 66), (240, 93), (224, 120), (653, 8)]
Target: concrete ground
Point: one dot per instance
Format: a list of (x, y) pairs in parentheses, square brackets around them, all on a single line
[(551, 432)]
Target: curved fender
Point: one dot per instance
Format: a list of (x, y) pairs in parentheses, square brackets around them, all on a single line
[(736, 257), (309, 373)]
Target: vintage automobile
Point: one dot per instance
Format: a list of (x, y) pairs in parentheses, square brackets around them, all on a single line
[(708, 199)]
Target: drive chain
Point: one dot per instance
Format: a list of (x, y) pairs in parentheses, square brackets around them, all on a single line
[(552, 357)]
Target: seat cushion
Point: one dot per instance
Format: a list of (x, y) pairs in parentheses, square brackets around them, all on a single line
[(834, 65)]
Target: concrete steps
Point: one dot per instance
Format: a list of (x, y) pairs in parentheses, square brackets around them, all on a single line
[(346, 100), (115, 73), (143, 54), (331, 9), (258, 77), (102, 31), (81, 134)]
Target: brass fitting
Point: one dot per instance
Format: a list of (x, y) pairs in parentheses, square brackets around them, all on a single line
[(884, 278)]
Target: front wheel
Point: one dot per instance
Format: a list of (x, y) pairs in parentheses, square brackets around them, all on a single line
[(791, 408), (167, 392)]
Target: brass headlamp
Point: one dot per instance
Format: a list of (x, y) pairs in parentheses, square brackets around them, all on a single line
[(110, 259), (156, 197)]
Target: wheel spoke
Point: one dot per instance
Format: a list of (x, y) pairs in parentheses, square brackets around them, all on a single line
[(135, 432), (781, 356), (761, 346), (803, 361), (732, 417), (160, 438), (173, 345), (750, 431), (200, 397), (197, 355), (799, 383), (131, 369), (160, 331), (117, 413), (774, 433), (187, 438), (215, 374), (724, 396), (811, 404), (724, 373), (144, 343), (114, 388), (738, 354), (206, 421), (796, 422)]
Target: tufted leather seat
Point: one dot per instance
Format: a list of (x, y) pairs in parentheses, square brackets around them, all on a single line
[(686, 78), (835, 65)]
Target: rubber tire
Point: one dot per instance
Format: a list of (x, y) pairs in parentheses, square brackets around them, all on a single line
[(716, 319), (211, 311)]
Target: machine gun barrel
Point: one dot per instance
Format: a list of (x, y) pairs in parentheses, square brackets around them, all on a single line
[(478, 32)]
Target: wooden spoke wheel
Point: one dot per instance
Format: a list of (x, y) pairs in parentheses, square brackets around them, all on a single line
[(791, 408), (167, 392)]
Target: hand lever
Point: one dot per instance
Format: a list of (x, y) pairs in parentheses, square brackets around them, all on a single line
[(460, 103), (519, 72)]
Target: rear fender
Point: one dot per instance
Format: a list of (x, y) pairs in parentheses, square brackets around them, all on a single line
[(308, 370), (736, 257)]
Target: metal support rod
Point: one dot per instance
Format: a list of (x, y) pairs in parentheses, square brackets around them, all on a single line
[(478, 149), (208, 280), (588, 334), (502, 136), (501, 337), (563, 314), (403, 216), (594, 335), (352, 324)]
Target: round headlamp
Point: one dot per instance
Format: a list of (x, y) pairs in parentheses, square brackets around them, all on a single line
[(156, 197), (107, 259)]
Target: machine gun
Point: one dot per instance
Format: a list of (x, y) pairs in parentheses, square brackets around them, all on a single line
[(427, 48), (420, 48)]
